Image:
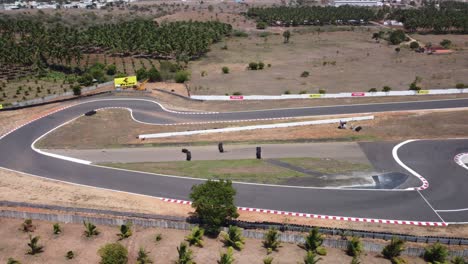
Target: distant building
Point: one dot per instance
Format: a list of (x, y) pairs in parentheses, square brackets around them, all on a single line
[(358, 3)]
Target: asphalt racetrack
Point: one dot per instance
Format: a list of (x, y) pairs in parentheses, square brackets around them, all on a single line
[(444, 201)]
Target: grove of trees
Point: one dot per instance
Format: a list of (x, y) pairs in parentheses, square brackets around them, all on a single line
[(315, 15)]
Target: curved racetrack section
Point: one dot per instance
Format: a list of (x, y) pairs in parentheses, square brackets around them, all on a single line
[(444, 201)]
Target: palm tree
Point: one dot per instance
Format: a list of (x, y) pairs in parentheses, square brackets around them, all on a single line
[(394, 249), (125, 231), (311, 258), (233, 238), (196, 237), (226, 258), (34, 246), (271, 241), (90, 229), (185, 254), (143, 257)]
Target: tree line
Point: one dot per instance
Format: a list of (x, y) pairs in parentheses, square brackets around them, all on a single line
[(30, 42), (314, 15), (449, 17)]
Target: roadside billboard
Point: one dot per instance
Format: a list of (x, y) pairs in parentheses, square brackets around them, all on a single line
[(128, 81)]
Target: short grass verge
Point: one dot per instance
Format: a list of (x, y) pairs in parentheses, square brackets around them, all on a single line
[(245, 170)]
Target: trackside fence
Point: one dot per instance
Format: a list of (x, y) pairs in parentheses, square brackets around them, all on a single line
[(251, 230)]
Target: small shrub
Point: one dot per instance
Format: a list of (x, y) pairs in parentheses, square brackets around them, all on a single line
[(182, 76), (436, 253), (158, 237), (34, 247), (321, 251), (261, 25), (268, 260), (313, 240), (261, 65), (28, 226), (196, 237), (225, 70), (143, 257), (355, 260), (394, 249), (203, 73), (57, 229), (269, 65), (233, 238), (271, 241), (446, 43), (236, 93), (354, 247), (125, 231), (386, 89), (458, 260), (90, 229), (397, 49), (239, 33), (70, 255), (227, 257), (287, 92), (13, 261), (76, 90), (253, 66), (460, 85), (111, 69), (322, 91), (303, 92), (185, 254), (305, 74), (113, 253), (372, 90)]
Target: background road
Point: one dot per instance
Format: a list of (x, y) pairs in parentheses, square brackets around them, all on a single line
[(17, 155)]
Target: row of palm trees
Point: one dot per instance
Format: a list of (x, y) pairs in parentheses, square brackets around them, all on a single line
[(315, 15), (31, 42)]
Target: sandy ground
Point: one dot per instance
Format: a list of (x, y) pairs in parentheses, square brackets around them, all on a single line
[(164, 251), (343, 150), (336, 61)]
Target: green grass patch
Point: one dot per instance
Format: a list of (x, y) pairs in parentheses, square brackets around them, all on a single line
[(246, 170)]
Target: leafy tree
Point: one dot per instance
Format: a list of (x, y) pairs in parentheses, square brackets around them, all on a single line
[(34, 246), (394, 249), (414, 45), (286, 36), (76, 90), (113, 253), (397, 36), (196, 237), (446, 43), (143, 257), (227, 257), (86, 79), (225, 70), (185, 254), (125, 231), (233, 238), (90, 229), (355, 247), (154, 75), (271, 241), (57, 229), (182, 76), (436, 253), (311, 258), (214, 204)]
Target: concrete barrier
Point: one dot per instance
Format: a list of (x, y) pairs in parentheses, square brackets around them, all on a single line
[(335, 95)]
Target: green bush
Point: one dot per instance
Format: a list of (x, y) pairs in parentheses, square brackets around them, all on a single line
[(321, 251), (305, 74), (70, 255), (57, 229), (111, 69), (143, 257), (240, 33), (227, 257), (158, 237), (253, 66), (414, 45), (233, 238), (322, 91), (261, 65), (436, 253), (113, 253), (185, 254), (261, 25), (446, 43), (268, 260), (355, 247), (76, 90), (303, 92), (311, 258), (34, 247), (225, 70), (141, 74), (125, 231), (460, 85), (90, 229), (397, 36), (182, 76), (287, 92), (154, 75), (386, 89), (196, 237), (458, 260), (27, 226), (394, 249), (13, 261), (372, 90), (236, 93), (313, 240)]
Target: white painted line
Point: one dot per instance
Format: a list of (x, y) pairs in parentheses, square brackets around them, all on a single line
[(452, 210), (245, 128), (397, 159), (431, 206)]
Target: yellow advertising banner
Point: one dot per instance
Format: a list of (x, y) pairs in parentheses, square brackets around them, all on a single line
[(315, 95), (125, 81), (423, 92), (1, 106)]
